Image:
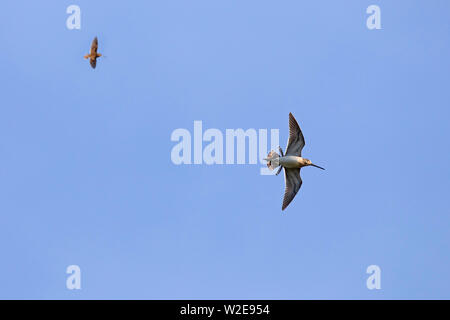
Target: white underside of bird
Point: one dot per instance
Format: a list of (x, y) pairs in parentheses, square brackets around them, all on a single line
[(292, 162)]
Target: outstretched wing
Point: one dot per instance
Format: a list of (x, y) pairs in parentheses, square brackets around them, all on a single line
[(296, 141), (93, 62), (94, 47), (293, 182)]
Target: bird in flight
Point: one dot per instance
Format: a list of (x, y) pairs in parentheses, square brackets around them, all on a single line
[(93, 55), (292, 161)]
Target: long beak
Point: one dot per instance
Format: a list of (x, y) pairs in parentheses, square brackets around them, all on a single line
[(317, 166)]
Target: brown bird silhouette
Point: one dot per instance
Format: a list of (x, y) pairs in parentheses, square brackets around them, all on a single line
[(292, 161), (93, 55)]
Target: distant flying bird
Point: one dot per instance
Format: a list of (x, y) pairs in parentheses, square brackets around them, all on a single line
[(292, 161), (93, 55)]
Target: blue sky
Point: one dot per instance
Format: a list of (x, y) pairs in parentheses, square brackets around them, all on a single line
[(86, 176)]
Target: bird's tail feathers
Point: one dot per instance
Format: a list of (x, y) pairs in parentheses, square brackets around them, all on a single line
[(272, 160)]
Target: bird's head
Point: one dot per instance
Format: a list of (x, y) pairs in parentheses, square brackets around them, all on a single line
[(309, 163)]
